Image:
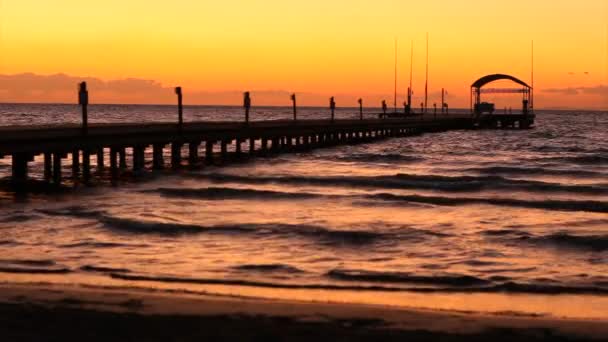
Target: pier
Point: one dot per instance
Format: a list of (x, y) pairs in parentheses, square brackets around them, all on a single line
[(115, 150)]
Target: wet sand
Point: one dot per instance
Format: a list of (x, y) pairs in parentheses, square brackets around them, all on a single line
[(64, 313)]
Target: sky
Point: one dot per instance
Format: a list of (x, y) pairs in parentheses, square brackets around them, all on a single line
[(135, 51)]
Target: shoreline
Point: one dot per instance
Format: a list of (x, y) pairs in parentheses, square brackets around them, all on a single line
[(101, 308)]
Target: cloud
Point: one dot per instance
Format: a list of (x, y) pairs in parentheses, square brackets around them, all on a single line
[(599, 90), (29, 87)]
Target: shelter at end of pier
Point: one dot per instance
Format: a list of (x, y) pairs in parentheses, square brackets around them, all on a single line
[(479, 107)]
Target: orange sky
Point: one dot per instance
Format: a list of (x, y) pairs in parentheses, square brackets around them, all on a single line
[(216, 49)]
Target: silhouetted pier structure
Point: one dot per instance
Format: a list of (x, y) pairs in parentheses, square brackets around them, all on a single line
[(102, 148), (486, 114)]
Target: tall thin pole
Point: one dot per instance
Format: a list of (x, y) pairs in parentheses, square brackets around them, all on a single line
[(532, 96), (410, 89), (426, 84), (442, 99), (395, 98)]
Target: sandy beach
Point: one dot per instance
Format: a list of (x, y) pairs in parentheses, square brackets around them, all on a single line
[(50, 312)]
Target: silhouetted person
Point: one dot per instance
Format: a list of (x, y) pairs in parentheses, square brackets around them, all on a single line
[(384, 107), (332, 106)]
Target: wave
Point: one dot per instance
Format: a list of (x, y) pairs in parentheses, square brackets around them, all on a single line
[(558, 205), (446, 284), (94, 244), (271, 268), (596, 243), (398, 277), (100, 269), (18, 218), (589, 159), (378, 158), (494, 170), (33, 267), (215, 193), (588, 206), (423, 182), (324, 235)]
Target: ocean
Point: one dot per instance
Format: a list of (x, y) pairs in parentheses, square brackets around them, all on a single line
[(484, 220)]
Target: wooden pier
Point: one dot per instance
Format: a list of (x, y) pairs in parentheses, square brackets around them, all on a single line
[(198, 143)]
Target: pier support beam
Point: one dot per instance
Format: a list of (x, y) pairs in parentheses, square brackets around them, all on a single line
[(275, 145), (57, 168), (264, 147), (176, 154), (75, 163), (158, 160), (100, 161), (114, 155), (19, 168), (251, 146), (237, 147), (48, 166), (209, 152), (123, 158), (224, 150), (86, 166), (139, 159), (193, 153)]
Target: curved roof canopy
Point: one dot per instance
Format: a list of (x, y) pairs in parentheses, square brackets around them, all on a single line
[(491, 78)]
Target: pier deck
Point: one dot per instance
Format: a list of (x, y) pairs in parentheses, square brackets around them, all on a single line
[(110, 141)]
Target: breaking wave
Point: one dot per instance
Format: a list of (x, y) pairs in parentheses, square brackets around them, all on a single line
[(514, 170), (33, 267), (395, 277), (588, 206), (422, 182), (389, 282), (270, 268)]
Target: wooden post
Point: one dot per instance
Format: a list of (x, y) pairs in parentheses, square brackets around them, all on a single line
[(193, 153), (237, 147), (180, 112), (247, 106), (75, 163), (57, 168), (252, 145), (176, 154), (19, 170), (275, 144), (122, 153), (158, 160), (83, 100), (224, 150), (48, 166), (86, 166), (264, 145), (138, 159), (114, 155), (209, 152), (295, 109), (100, 161)]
